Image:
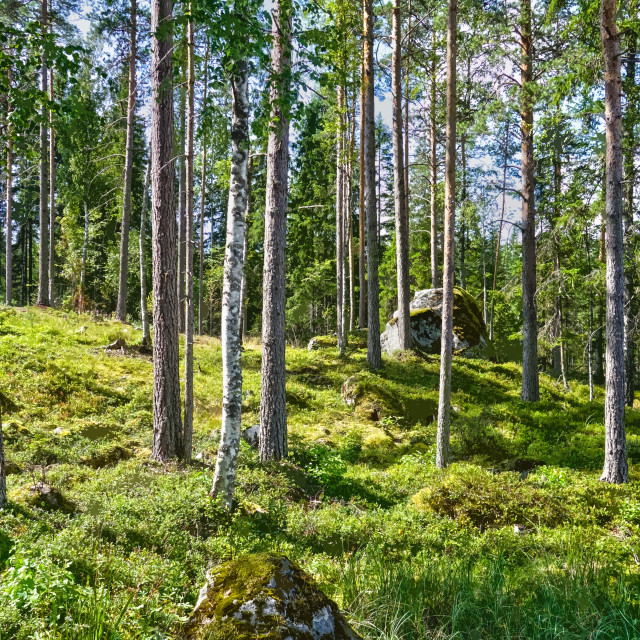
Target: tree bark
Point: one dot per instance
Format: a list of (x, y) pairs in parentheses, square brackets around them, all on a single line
[(188, 344), (444, 401), (374, 355), (530, 385), (182, 207), (406, 112), (340, 243), (167, 427), (629, 144), (43, 252), (362, 313), (227, 462), (3, 475), (616, 468), (8, 213), (121, 308), (144, 309), (245, 252), (349, 214), (52, 195), (435, 278), (273, 410), (85, 250), (399, 184), (203, 182)]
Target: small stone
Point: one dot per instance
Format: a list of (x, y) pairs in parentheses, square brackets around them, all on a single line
[(200, 456)]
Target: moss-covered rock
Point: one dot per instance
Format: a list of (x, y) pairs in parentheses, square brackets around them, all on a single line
[(266, 597), (355, 339), (44, 496), (470, 337)]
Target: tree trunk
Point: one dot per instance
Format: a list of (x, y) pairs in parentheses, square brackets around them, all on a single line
[(121, 308), (557, 187), (182, 206), (340, 243), (245, 251), (144, 309), (616, 469), (406, 113), (435, 279), (349, 215), (3, 476), (273, 409), (85, 250), (629, 144), (530, 386), (203, 182), (43, 253), (52, 196), (227, 462), (463, 225), (188, 343), (400, 200), (167, 427), (374, 355), (590, 342), (505, 157), (8, 209), (362, 313), (444, 401)]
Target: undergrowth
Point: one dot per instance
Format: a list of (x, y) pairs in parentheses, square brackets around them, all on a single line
[(517, 539)]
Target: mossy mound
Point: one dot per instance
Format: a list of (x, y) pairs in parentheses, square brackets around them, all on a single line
[(373, 400), (108, 455), (470, 337), (44, 496), (6, 545), (355, 339), (267, 597)]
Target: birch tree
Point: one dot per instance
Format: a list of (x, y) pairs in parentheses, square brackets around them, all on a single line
[(144, 307), (43, 252), (227, 462)]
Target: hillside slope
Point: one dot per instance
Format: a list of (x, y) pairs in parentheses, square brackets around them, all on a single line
[(517, 539)]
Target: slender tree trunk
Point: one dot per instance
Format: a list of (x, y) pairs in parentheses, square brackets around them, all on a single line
[(629, 170), (43, 253), (144, 309), (203, 183), (9, 210), (374, 355), (182, 206), (557, 186), (121, 308), (227, 462), (463, 224), (349, 213), (3, 475), (362, 313), (590, 343), (616, 468), (400, 201), (273, 410), (505, 158), (85, 249), (340, 242), (406, 112), (52, 196), (530, 385), (188, 346), (167, 427), (444, 401), (435, 278), (245, 251)]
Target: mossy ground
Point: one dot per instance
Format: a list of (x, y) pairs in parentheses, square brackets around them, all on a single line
[(404, 547)]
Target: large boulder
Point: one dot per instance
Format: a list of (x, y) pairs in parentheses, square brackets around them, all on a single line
[(470, 337), (267, 597)]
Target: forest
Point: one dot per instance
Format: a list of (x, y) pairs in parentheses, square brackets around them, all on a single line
[(319, 319)]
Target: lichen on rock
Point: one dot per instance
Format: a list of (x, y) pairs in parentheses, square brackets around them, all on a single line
[(267, 597), (470, 336)]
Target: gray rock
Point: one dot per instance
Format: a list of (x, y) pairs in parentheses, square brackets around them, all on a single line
[(251, 435), (470, 337), (263, 596)]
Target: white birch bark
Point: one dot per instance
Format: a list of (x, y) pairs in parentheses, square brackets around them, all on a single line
[(227, 462)]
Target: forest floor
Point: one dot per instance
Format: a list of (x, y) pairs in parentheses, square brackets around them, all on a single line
[(517, 539)]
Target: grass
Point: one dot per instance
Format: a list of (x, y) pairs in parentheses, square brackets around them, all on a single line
[(409, 551)]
